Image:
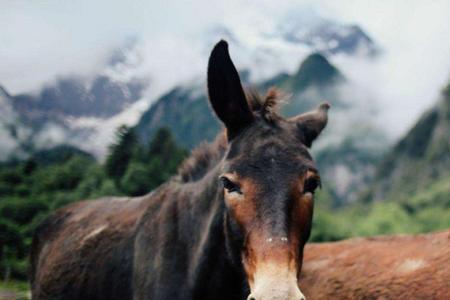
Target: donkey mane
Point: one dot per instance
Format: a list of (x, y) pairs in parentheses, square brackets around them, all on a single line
[(205, 156)]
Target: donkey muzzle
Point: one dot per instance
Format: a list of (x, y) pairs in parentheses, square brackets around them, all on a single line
[(275, 283)]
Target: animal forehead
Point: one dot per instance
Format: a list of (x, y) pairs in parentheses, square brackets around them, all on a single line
[(269, 141), (277, 152), (273, 155)]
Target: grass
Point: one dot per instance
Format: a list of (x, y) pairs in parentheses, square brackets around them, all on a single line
[(19, 290)]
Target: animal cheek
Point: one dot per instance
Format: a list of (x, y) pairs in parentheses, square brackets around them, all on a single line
[(302, 214), (242, 206), (307, 205), (241, 209), (233, 199)]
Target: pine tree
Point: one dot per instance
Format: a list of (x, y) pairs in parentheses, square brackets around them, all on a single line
[(121, 152), (153, 167), (164, 154)]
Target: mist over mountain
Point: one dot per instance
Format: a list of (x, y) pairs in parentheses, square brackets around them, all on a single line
[(326, 35), (147, 85), (84, 111), (72, 109), (185, 108), (12, 130), (70, 97), (150, 85), (420, 161)]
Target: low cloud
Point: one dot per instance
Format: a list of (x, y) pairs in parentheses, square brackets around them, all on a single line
[(415, 65), (42, 40)]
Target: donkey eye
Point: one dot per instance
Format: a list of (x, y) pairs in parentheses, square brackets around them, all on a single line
[(229, 185), (311, 184)]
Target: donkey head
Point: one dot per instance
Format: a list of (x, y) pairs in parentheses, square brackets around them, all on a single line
[(268, 181)]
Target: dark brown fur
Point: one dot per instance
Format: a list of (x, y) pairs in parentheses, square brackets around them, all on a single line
[(84, 247), (207, 155), (186, 240)]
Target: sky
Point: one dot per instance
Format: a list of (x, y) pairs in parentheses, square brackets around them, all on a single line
[(41, 40)]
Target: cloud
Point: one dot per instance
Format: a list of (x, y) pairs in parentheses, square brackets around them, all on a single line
[(415, 65), (43, 39)]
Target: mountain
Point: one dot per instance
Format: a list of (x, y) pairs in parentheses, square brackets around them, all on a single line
[(315, 69), (102, 95), (13, 131), (329, 37), (71, 97), (315, 81), (345, 154), (272, 49), (84, 111), (73, 110), (186, 112), (419, 164)]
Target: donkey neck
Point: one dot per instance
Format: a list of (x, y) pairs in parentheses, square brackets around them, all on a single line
[(206, 210), (211, 273)]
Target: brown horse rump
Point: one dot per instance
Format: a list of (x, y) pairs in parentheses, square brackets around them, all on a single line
[(385, 267)]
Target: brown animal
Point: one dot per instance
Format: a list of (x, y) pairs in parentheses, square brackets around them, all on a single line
[(233, 222), (389, 267)]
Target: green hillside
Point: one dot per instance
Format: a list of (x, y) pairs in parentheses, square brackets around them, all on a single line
[(185, 111), (49, 179), (410, 192), (419, 160)]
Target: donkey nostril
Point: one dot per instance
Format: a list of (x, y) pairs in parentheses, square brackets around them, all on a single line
[(251, 298)]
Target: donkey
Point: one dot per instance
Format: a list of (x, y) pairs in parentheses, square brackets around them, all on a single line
[(232, 224)]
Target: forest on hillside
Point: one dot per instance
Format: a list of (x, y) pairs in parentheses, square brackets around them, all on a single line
[(31, 189)]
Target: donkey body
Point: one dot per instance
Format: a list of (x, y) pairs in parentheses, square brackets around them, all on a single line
[(86, 250), (385, 267), (233, 222)]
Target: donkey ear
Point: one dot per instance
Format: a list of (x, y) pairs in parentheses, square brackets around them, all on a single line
[(311, 124), (225, 91)]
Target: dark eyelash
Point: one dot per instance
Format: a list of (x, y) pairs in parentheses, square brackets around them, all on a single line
[(229, 185), (311, 184)]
